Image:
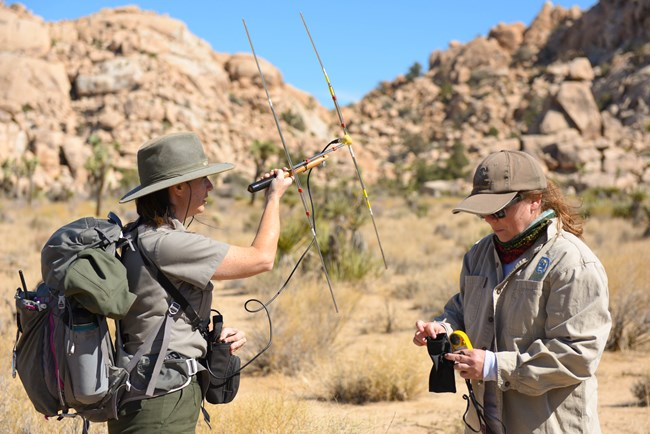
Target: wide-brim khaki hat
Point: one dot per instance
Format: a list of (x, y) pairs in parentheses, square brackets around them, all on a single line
[(169, 160), (498, 179)]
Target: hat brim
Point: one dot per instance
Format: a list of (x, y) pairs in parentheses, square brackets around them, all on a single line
[(484, 204), (211, 169)]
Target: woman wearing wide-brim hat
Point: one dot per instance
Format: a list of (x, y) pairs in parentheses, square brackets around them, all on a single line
[(174, 186)]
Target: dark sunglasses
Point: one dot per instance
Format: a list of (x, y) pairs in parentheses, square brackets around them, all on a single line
[(502, 212)]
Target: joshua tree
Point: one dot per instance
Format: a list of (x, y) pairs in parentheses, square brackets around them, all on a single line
[(98, 166), (262, 151), (30, 163)]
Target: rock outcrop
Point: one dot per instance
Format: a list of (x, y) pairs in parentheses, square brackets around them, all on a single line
[(572, 88), (122, 76)]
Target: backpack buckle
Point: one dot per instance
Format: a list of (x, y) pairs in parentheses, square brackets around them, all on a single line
[(192, 367), (174, 308)]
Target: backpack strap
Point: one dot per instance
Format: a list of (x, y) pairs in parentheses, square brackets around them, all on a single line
[(146, 346), (130, 235), (182, 303)]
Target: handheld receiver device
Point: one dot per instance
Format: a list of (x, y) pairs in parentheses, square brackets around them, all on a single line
[(459, 340)]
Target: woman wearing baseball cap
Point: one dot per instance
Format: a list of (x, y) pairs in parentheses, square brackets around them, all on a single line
[(533, 301), (174, 187)]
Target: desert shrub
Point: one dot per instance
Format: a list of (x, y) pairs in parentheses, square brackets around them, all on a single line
[(457, 163), (235, 99), (340, 217), (12, 170), (389, 316), (343, 204), (452, 168), (305, 326), (414, 72), (532, 110), (613, 202), (523, 55), (641, 390), (352, 264), (238, 182), (480, 76), (272, 414), (605, 99), (128, 178), (345, 253), (382, 320), (415, 144), (630, 320), (600, 193), (493, 132), (378, 375), (294, 120), (446, 92), (407, 290), (437, 289), (8, 175), (293, 231)]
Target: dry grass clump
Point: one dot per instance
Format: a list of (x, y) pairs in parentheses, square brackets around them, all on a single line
[(624, 255), (386, 372), (429, 289), (305, 326), (630, 320), (641, 390), (352, 264), (271, 414)]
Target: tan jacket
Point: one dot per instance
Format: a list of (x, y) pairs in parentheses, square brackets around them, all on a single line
[(547, 322)]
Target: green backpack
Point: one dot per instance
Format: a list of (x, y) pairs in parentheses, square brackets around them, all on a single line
[(64, 353)]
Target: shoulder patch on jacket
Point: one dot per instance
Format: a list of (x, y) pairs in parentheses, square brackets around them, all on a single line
[(540, 268)]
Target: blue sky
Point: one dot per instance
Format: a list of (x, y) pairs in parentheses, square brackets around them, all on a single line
[(361, 42)]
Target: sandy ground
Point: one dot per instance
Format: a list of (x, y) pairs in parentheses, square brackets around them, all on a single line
[(425, 413), (441, 413)]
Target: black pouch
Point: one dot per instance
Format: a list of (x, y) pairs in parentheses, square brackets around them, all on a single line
[(222, 366), (441, 378)]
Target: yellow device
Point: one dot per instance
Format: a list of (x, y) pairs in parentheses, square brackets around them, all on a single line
[(459, 340)]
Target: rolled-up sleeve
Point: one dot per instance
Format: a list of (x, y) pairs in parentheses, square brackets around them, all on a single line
[(190, 257)]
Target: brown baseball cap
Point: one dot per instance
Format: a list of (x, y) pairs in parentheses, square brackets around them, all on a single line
[(498, 179)]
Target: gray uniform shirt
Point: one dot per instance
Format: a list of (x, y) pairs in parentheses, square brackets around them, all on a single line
[(189, 261)]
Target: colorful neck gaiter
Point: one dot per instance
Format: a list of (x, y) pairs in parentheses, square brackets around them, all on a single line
[(511, 250)]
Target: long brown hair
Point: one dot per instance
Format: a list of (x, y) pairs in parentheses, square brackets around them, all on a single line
[(568, 215), (155, 209)]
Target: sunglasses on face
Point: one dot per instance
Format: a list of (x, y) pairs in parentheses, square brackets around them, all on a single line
[(502, 212)]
